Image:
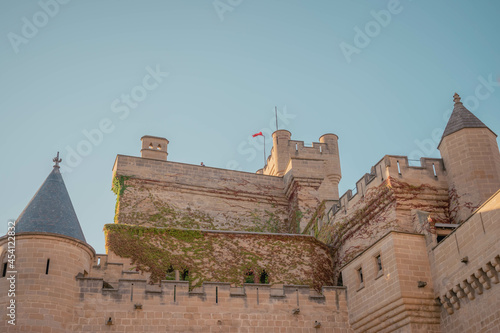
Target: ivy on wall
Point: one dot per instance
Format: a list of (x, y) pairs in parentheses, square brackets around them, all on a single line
[(142, 206), (375, 214), (223, 257), (118, 187)]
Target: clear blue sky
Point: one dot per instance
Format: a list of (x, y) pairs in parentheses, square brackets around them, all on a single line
[(379, 74)]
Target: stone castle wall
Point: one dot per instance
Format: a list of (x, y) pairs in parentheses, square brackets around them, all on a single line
[(466, 272), (216, 307), (383, 201), (170, 194), (389, 299), (220, 255), (45, 298)]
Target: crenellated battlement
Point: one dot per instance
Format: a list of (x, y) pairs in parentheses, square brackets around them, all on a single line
[(131, 301), (316, 149), (430, 171), (284, 150), (135, 288)]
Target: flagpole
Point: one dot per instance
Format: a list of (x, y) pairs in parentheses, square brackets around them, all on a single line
[(260, 134), (276, 114)]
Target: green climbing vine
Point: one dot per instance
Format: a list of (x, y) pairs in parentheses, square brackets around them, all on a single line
[(149, 204), (271, 222), (350, 232), (225, 257), (118, 187)]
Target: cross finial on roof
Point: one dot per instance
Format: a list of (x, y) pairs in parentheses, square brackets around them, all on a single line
[(456, 98), (57, 160)]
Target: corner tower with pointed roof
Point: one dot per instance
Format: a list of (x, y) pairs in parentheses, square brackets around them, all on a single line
[(50, 252), (470, 154), (50, 210)]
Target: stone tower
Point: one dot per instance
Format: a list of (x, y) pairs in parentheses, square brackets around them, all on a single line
[(470, 154), (311, 173), (50, 251)]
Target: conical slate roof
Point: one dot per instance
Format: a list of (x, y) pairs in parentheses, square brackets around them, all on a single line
[(51, 210), (461, 118)]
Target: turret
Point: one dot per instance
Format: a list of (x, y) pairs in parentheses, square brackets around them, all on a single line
[(50, 251), (311, 173), (154, 147), (280, 153), (332, 167), (471, 158)]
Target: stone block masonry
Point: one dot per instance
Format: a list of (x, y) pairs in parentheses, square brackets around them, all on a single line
[(390, 287), (46, 290), (466, 271), (215, 307), (233, 257), (170, 194)]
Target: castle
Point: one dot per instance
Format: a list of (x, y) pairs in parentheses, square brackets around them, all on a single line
[(201, 249)]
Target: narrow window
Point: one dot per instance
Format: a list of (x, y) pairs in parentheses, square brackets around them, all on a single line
[(434, 169), (399, 168), (379, 263), (320, 149), (98, 261), (4, 269), (175, 292), (185, 275), (150, 145), (360, 275), (159, 147), (264, 278), (47, 268), (216, 295), (340, 283), (296, 146)]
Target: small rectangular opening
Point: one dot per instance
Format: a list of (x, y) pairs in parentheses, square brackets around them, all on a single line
[(399, 168), (98, 261), (175, 293), (434, 169), (216, 295), (47, 268), (440, 238), (360, 275), (4, 271), (185, 275), (340, 282), (379, 263)]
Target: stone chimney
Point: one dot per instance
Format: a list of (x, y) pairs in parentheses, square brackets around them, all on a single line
[(154, 147)]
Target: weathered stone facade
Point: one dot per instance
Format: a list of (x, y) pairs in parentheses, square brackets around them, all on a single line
[(201, 249)]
